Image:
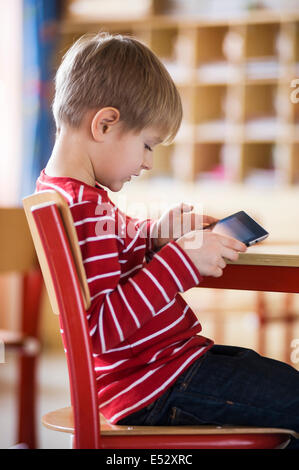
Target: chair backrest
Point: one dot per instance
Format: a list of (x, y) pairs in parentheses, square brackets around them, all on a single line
[(17, 253), (56, 243)]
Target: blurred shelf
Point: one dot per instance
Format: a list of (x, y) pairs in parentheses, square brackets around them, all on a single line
[(71, 21), (234, 77)]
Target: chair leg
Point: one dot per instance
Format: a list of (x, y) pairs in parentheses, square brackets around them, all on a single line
[(27, 400), (32, 291)]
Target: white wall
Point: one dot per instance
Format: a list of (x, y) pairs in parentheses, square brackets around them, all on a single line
[(10, 99), (10, 138)]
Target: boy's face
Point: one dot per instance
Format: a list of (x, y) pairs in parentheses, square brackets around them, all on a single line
[(124, 155)]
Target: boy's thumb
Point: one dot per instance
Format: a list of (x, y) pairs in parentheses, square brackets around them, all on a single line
[(182, 207), (186, 207)]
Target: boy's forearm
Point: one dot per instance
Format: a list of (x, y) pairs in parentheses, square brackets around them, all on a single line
[(154, 243), (157, 284), (149, 229)]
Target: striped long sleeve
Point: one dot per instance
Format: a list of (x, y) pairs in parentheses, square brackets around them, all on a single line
[(125, 296)]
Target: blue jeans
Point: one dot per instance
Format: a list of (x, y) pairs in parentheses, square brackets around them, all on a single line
[(228, 385)]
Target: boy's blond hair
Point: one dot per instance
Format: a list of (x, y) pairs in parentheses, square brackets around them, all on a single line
[(102, 70)]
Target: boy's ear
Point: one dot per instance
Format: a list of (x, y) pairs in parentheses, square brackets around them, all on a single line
[(103, 121)]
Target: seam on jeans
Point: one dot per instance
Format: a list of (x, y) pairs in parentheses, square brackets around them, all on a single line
[(159, 406), (160, 402), (191, 372), (173, 414), (176, 410), (215, 422), (151, 405)]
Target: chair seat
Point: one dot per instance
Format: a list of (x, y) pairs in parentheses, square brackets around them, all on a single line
[(16, 340), (175, 436), (12, 338)]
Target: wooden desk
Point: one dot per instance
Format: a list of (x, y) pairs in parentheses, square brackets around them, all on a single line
[(265, 267)]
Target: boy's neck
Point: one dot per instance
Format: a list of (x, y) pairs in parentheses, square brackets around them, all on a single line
[(69, 158)]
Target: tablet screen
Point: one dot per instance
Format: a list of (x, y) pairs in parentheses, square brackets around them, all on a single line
[(240, 226)]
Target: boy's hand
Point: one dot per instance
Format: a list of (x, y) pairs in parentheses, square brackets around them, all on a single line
[(177, 221), (208, 250)]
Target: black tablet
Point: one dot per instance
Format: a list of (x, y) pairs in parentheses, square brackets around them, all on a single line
[(240, 226)]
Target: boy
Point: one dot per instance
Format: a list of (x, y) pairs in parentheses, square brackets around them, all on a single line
[(114, 102)]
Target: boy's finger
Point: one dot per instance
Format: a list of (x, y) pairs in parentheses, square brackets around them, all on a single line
[(200, 222), (197, 221), (208, 219), (182, 207), (233, 243), (229, 254), (186, 207)]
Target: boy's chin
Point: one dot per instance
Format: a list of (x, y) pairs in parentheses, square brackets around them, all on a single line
[(117, 185)]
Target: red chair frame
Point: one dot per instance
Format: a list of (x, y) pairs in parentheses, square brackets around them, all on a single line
[(32, 285)]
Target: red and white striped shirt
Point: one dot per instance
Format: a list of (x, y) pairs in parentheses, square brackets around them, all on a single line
[(144, 335)]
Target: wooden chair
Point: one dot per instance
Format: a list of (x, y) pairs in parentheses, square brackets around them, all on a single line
[(59, 255), (17, 254)]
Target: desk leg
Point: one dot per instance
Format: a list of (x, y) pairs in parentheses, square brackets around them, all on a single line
[(262, 315)]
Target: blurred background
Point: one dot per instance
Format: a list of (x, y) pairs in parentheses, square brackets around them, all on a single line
[(236, 65)]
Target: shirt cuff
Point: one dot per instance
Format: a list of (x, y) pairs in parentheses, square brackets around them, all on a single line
[(187, 261)]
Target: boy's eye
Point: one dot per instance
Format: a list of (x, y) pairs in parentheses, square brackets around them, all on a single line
[(148, 147)]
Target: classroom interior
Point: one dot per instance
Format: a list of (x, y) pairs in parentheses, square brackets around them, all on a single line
[(236, 65)]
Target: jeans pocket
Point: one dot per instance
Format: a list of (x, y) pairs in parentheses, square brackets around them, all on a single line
[(179, 417), (186, 377), (151, 405)]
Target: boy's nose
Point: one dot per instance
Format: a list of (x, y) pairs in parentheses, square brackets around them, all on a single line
[(148, 164)]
